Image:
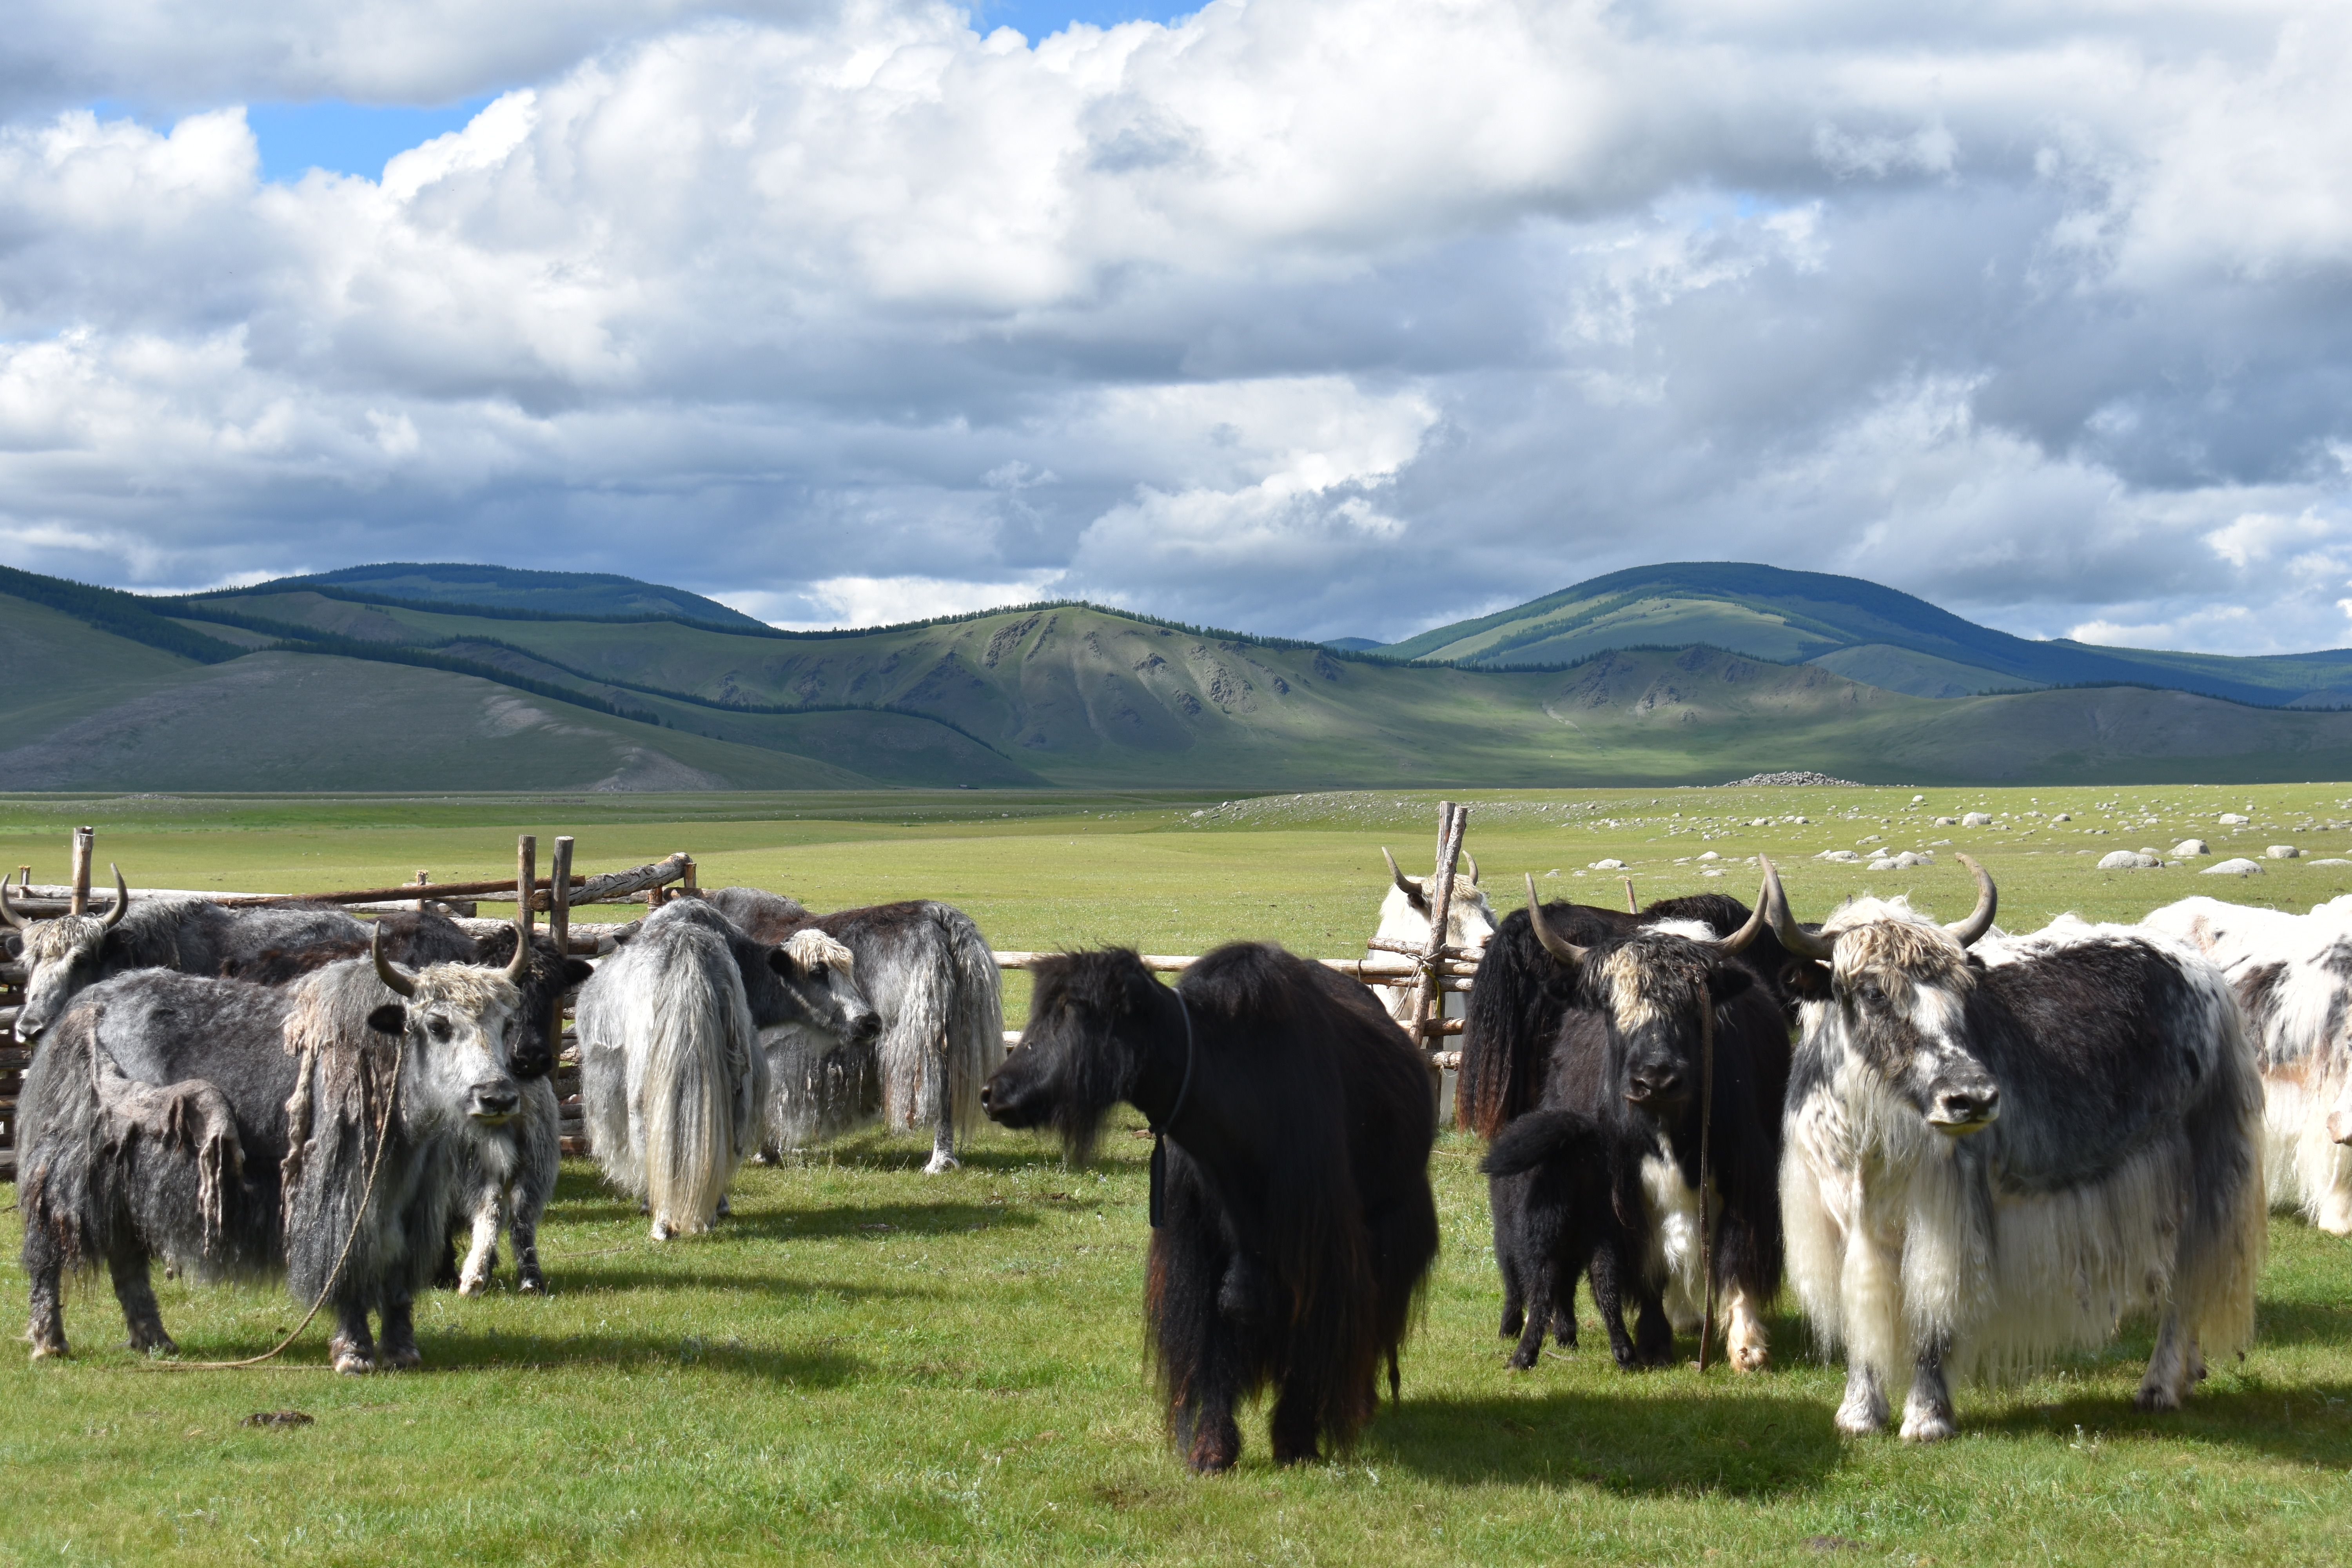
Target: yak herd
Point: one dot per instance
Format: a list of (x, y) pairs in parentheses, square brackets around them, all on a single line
[(1965, 1150)]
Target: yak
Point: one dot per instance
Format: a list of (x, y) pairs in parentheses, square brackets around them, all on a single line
[(673, 1082), (1659, 1124), (65, 954), (1405, 918), (1518, 1006), (506, 1171), (928, 973), (1996, 1148), (1297, 1224), (243, 1130)]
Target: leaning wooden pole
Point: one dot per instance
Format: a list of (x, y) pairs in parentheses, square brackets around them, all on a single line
[(526, 878), (85, 845), (558, 894), (1451, 820)]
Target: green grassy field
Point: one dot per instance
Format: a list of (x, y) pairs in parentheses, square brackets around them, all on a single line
[(866, 1363)]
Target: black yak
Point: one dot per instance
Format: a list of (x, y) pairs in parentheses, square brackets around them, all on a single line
[(238, 1130), (1518, 1007), (1642, 1143), (928, 973), (1297, 1220), (1999, 1147)]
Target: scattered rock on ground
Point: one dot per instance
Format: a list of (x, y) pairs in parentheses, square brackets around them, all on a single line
[(1805, 780), (2240, 868), (2127, 860), (2189, 849), (1977, 819), (2232, 820), (2283, 852)]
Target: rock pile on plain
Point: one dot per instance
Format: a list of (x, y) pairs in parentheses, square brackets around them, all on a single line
[(1802, 780)]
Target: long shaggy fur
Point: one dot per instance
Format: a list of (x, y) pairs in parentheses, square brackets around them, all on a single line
[(2292, 977), (2122, 1175), (672, 1080), (1300, 1223), (229, 1127), (928, 972)]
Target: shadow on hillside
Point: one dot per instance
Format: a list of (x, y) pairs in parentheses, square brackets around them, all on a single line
[(1642, 1443)]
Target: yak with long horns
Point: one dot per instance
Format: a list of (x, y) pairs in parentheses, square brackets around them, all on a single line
[(1298, 1223), (2000, 1147), (1652, 1158)]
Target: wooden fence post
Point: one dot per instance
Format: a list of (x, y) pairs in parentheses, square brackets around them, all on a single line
[(1428, 997), (525, 878), (85, 842), (558, 895)]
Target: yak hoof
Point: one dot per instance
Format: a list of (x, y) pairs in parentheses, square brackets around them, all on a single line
[(1216, 1448), (531, 1284), (1860, 1418), (1750, 1358), (352, 1359), (402, 1358), (661, 1231), (473, 1283), (157, 1343), (49, 1349), (1928, 1426), (2154, 1396), (941, 1162)]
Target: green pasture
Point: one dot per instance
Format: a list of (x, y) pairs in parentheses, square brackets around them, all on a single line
[(870, 1363)]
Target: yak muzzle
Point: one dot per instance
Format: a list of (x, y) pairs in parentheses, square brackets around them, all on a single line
[(2339, 1124), (1652, 1087), (494, 1104), (1961, 1111), (1007, 1106)]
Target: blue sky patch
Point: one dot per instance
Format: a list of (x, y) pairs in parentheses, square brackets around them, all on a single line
[(346, 138)]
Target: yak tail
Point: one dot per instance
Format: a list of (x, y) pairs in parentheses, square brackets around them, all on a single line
[(1540, 1138), (704, 1088), (975, 1023), (1506, 1029)]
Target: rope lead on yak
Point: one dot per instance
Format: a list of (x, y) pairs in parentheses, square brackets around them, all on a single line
[(1159, 1129)]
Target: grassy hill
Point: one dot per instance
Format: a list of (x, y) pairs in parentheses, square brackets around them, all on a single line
[(1860, 629), (301, 688), (509, 587)]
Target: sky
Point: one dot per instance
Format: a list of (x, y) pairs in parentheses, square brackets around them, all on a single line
[(1317, 318)]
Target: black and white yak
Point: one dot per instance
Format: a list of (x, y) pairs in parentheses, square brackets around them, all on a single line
[(1298, 1223), (1519, 1006), (506, 1171), (1997, 1149), (673, 1083), (1624, 1170), (64, 954), (928, 973), (239, 1131), (2292, 976)]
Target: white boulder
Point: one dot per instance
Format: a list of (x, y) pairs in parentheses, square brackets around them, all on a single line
[(2332, 862), (1977, 819), (2238, 868), (1609, 864), (2128, 860), (2063, 817), (1710, 855), (1837, 855), (2231, 819), (2283, 852), (2190, 849), (1947, 822)]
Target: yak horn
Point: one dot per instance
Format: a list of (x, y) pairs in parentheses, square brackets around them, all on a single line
[(1405, 885), (1794, 937), (8, 911), (1979, 919), (1737, 941), (521, 965), (1559, 947), (396, 983), (1473, 866), (122, 899)]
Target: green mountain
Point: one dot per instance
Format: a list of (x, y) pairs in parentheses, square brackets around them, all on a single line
[(300, 686), (510, 588), (1858, 629)]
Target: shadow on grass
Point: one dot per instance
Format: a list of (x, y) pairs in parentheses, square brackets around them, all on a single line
[(2306, 1422), (2303, 1322), (878, 1222), (1648, 1441), (463, 1353)]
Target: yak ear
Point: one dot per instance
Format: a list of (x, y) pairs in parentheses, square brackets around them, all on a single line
[(1728, 979), (577, 971), (1806, 977), (392, 1018)]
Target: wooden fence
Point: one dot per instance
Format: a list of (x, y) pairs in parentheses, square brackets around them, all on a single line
[(1431, 970)]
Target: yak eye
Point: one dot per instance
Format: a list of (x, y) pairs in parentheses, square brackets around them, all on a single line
[(438, 1026)]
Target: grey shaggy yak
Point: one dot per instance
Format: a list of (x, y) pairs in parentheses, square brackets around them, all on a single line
[(673, 1076), (1997, 1148), (64, 955), (231, 1128), (928, 972), (507, 1172)]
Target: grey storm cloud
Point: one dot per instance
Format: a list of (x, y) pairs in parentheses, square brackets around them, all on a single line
[(1307, 316)]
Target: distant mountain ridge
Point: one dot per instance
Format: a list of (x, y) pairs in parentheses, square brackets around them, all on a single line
[(1861, 629), (514, 588)]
